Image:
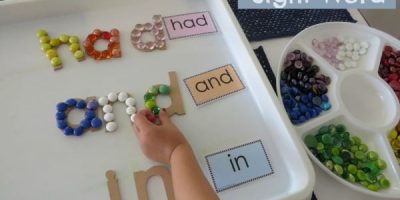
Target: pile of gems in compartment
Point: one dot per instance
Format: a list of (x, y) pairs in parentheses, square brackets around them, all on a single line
[(389, 70), (341, 53), (348, 157), (303, 88)]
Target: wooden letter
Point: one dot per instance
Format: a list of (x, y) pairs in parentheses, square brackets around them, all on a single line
[(142, 177)]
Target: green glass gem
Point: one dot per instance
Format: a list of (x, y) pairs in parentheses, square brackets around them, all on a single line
[(346, 155), (153, 90), (338, 160), (361, 175), (150, 104), (329, 164), (337, 169), (372, 155), (364, 183), (40, 33), (352, 169), (156, 110), (351, 178), (164, 89), (64, 38), (363, 148), (73, 39), (320, 146), (373, 187), (371, 178), (332, 129), (381, 164), (354, 148), (323, 130), (148, 97), (384, 183), (359, 155), (335, 151), (327, 139), (340, 128), (356, 140), (310, 141)]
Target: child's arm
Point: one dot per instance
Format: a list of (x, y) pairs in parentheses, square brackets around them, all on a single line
[(165, 143)]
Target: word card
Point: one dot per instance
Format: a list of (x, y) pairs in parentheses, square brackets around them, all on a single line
[(239, 165)]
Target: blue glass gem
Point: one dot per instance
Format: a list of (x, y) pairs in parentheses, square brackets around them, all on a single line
[(78, 131), (325, 98), (90, 114), (81, 104), (92, 105), (71, 102), (307, 115), (60, 115), (96, 123), (68, 131), (61, 107), (304, 99), (86, 123), (61, 124)]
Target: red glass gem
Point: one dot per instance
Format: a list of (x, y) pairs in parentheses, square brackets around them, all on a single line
[(106, 35)]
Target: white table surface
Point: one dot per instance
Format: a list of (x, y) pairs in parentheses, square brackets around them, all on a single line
[(326, 188)]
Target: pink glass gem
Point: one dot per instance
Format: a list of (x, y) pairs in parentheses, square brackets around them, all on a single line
[(97, 32), (139, 27), (114, 39), (148, 26), (136, 33), (114, 32)]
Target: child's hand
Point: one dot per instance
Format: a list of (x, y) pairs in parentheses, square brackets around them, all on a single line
[(157, 142)]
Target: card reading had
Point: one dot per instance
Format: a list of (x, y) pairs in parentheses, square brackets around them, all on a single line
[(189, 24), (239, 165), (214, 84)]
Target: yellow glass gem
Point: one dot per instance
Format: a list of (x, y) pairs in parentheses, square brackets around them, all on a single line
[(44, 39), (45, 46), (74, 47), (79, 55), (393, 134), (51, 53), (74, 39), (55, 42), (64, 38), (56, 61), (40, 33)]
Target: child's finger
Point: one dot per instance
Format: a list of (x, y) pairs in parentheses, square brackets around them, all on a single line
[(141, 121), (164, 117)]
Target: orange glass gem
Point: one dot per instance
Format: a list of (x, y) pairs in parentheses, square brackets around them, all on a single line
[(106, 54), (92, 38)]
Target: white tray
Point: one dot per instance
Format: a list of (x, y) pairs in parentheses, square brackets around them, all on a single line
[(360, 99), (38, 162)]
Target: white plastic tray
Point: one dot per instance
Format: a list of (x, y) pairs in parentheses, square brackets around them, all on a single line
[(360, 99), (38, 162)]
